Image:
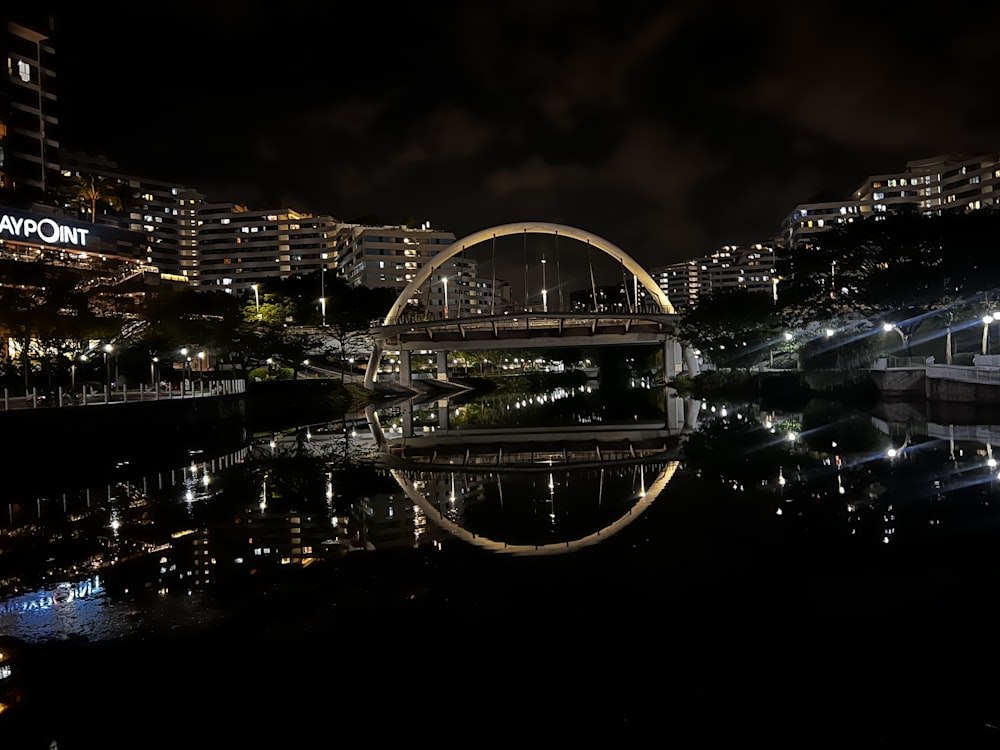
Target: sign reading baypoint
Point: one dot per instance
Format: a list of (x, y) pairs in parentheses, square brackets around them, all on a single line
[(46, 230)]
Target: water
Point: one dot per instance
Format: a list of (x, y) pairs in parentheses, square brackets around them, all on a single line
[(578, 571)]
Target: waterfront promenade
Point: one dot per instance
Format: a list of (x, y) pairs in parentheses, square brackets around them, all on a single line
[(38, 399)]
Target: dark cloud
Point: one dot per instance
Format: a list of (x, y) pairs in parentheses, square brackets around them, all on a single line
[(670, 129)]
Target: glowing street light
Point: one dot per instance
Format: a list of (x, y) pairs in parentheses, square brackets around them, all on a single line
[(108, 348), (322, 308), (186, 364), (987, 319), (256, 296), (444, 280), (322, 284), (545, 293), (887, 327)]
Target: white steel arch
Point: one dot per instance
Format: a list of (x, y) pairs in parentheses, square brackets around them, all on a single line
[(533, 227)]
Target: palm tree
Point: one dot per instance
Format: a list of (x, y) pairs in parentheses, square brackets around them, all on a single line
[(88, 190)]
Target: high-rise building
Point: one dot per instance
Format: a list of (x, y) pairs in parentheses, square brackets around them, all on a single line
[(928, 186), (28, 106), (237, 248), (163, 214), (211, 245), (730, 267), (391, 256)]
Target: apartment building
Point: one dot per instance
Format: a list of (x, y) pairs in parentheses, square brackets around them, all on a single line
[(29, 119), (730, 267), (391, 256), (929, 186), (238, 248), (163, 215)]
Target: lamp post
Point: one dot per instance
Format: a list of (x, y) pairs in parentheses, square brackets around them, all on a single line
[(444, 280), (256, 296), (185, 365), (987, 319), (202, 363), (152, 371), (322, 308), (322, 279), (108, 348), (893, 327), (545, 293)]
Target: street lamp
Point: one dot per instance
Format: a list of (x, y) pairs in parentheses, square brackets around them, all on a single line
[(322, 276), (107, 362), (444, 280), (987, 319), (202, 363), (152, 371), (893, 327), (545, 294), (322, 307), (186, 363), (256, 296)]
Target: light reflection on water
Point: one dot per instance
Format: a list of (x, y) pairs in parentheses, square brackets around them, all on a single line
[(511, 491), (89, 612)]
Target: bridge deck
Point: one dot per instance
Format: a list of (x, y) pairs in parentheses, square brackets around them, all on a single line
[(498, 328)]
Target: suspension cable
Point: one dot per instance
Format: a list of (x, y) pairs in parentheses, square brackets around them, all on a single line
[(628, 300), (593, 285), (524, 301), (562, 307)]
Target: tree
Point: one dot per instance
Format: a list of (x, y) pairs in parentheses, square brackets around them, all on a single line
[(46, 318), (88, 190), (733, 327), (350, 312), (208, 321), (904, 268)]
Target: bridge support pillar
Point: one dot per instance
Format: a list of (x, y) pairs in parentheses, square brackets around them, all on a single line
[(692, 407), (406, 416), (691, 361), (671, 359), (442, 365), (405, 372), (444, 421), (374, 362)]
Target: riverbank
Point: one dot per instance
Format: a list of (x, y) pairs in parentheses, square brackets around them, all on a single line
[(784, 390), (705, 618)]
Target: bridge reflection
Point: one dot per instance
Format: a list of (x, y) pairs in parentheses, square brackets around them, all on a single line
[(590, 484)]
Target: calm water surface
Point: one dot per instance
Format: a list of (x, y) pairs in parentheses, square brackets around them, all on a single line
[(817, 576)]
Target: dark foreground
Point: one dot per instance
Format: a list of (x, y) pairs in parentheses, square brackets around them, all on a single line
[(704, 624)]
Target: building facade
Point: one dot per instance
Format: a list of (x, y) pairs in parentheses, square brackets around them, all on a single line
[(749, 267), (928, 186), (392, 256), (237, 248), (29, 119)]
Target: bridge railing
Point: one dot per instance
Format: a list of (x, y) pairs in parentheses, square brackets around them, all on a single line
[(123, 395), (436, 316)]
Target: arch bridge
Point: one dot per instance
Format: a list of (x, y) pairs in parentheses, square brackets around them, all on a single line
[(653, 322)]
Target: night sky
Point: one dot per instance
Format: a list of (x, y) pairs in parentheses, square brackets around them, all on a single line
[(669, 129)]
